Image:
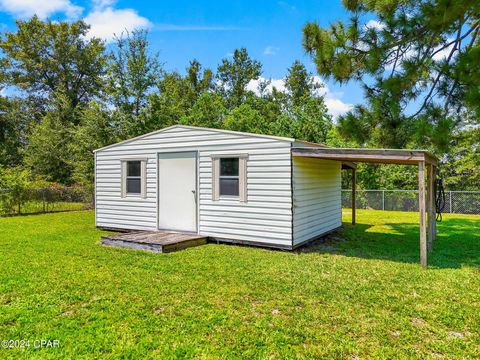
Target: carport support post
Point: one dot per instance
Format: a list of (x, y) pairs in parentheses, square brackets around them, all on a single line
[(354, 195), (431, 207), (421, 209)]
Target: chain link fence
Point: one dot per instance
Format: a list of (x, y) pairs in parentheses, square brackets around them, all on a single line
[(456, 202), (52, 199), (43, 200)]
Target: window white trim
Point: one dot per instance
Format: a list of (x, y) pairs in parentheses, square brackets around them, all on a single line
[(143, 178), (242, 177), (242, 183)]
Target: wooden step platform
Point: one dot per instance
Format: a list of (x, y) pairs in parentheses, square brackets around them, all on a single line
[(156, 241)]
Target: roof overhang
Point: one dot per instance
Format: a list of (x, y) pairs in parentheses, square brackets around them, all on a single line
[(348, 165), (379, 156)]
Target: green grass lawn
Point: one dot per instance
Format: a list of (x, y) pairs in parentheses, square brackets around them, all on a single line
[(359, 294)]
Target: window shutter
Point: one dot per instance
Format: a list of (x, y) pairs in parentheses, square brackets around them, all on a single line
[(242, 172), (215, 179), (144, 179), (123, 175)]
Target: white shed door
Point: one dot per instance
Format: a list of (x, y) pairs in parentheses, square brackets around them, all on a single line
[(177, 182)]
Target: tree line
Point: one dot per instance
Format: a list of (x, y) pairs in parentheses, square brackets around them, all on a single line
[(65, 94)]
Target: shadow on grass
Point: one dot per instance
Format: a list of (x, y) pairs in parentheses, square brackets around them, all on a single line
[(457, 243)]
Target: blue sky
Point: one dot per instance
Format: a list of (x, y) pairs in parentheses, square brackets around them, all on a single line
[(206, 30)]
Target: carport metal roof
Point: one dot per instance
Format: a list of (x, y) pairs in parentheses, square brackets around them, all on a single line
[(420, 158), (382, 156)]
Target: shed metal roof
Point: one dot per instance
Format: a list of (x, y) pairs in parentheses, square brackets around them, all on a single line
[(279, 138)]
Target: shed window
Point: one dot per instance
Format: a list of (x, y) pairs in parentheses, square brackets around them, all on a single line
[(229, 178), (134, 177)]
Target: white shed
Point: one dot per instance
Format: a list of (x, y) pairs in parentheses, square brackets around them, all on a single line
[(230, 186)]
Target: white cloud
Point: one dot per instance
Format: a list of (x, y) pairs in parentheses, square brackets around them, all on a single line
[(332, 99), (106, 22), (270, 50), (278, 84), (43, 8), (374, 24), (337, 107), (253, 85)]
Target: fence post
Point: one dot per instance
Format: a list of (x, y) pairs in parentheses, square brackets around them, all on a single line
[(43, 199), (354, 196), (383, 199), (450, 196)]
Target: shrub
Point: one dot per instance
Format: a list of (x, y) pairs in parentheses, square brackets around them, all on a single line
[(15, 183)]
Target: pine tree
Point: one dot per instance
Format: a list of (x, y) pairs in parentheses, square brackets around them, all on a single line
[(417, 62)]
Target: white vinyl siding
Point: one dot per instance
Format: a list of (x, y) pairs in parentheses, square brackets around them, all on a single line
[(316, 197), (264, 218)]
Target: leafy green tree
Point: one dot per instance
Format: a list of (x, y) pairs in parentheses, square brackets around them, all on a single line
[(247, 119), (304, 114), (234, 76), (167, 105), (461, 169), (335, 139), (47, 152), (208, 111), (300, 84), (177, 96), (52, 57), (313, 120), (15, 118), (95, 130), (284, 126), (132, 72), (415, 63), (268, 106), (16, 181), (199, 80)]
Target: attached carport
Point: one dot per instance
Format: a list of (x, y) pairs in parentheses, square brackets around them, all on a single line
[(421, 158)]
